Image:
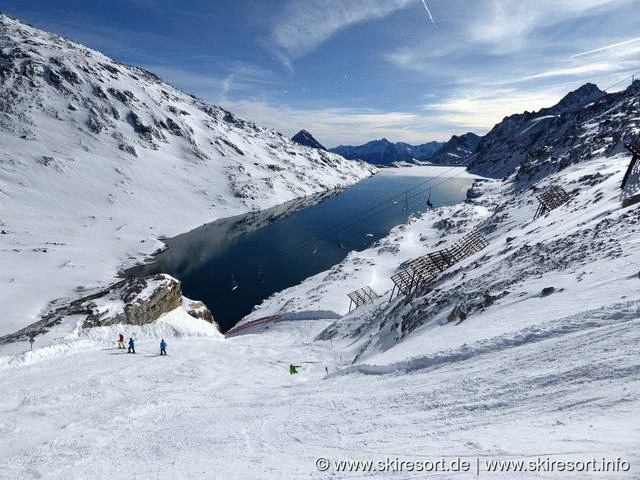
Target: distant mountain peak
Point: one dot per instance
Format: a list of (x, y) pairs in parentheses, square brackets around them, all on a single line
[(305, 138)]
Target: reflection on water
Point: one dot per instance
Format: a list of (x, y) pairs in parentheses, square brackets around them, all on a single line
[(235, 263)]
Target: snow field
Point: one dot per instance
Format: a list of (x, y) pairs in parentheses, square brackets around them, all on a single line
[(229, 408)]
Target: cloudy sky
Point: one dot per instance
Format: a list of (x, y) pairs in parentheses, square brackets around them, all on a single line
[(350, 71)]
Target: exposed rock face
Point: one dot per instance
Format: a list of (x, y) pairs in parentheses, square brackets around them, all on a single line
[(136, 301), (305, 138), (197, 309)]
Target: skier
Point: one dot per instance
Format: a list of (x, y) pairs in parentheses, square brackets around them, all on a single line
[(132, 346), (293, 368), (121, 341), (31, 340), (163, 347)]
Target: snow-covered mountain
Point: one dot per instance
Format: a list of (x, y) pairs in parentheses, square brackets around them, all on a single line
[(383, 152), (99, 159), (457, 150), (305, 138), (585, 123), (521, 358)]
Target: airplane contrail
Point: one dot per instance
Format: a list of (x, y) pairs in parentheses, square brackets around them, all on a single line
[(605, 48), (429, 12)]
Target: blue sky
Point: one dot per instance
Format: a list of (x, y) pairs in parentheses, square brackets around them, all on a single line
[(350, 71)]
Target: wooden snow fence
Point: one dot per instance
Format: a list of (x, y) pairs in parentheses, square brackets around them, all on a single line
[(550, 199), (424, 269), (362, 296)]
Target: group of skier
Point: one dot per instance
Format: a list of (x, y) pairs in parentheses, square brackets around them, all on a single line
[(132, 345)]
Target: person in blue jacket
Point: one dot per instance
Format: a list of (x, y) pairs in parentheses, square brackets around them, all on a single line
[(132, 346), (163, 347)]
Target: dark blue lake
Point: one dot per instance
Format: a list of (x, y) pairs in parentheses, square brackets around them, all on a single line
[(235, 263)]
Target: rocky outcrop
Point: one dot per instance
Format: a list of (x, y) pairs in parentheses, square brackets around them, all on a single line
[(197, 309), (136, 301)]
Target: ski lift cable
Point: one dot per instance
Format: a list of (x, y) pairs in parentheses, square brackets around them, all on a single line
[(415, 187), (383, 206), (632, 75)]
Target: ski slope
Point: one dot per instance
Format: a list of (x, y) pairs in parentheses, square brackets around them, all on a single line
[(218, 408), (91, 177)]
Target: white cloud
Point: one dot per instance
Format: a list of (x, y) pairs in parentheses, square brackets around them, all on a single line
[(476, 111), (305, 24), (506, 24), (335, 126), (482, 110)]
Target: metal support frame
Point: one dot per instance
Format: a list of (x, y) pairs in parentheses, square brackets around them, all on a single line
[(635, 150), (424, 269)]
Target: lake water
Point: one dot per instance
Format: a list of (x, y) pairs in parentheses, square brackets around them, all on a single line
[(235, 263)]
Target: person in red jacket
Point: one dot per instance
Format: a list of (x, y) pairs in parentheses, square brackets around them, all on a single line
[(121, 341)]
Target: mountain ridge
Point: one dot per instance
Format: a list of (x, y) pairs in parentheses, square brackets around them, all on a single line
[(584, 123), (384, 152), (105, 155)]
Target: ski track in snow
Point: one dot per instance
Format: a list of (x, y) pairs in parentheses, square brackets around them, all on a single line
[(229, 409)]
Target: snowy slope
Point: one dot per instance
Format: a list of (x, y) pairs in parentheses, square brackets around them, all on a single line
[(529, 374), (585, 250), (98, 160), (229, 408)]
